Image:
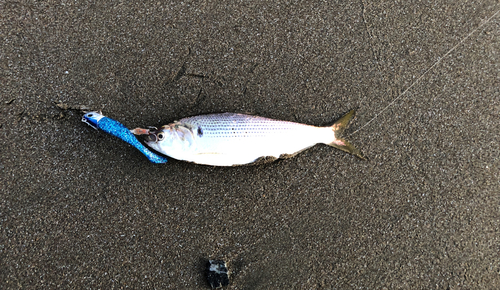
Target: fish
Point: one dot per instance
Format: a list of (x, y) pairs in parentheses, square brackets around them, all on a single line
[(232, 139)]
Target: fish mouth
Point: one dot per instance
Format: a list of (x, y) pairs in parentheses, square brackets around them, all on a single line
[(150, 138), (147, 135)]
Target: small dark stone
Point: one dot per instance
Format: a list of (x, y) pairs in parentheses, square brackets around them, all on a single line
[(217, 274)]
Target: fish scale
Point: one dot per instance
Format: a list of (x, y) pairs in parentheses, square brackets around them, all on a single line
[(242, 139), (239, 125), (230, 139)]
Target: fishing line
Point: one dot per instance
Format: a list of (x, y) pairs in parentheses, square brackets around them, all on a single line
[(429, 69)]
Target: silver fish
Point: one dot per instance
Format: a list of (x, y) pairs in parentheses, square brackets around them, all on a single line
[(230, 139)]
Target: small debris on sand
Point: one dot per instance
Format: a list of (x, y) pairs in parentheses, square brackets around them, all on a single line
[(217, 274)]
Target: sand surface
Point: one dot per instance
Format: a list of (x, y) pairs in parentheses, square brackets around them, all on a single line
[(82, 209)]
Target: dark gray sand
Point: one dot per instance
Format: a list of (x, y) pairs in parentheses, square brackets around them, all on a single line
[(82, 209)]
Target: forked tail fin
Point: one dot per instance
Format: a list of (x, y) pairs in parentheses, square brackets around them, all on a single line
[(340, 143)]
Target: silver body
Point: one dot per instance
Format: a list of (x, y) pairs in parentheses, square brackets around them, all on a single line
[(235, 139)]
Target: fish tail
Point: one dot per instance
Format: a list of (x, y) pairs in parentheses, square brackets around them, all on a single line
[(338, 129)]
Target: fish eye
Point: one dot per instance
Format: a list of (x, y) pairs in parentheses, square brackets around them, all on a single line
[(160, 136)]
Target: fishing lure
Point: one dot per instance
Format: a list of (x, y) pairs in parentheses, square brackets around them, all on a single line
[(98, 121), (230, 139)]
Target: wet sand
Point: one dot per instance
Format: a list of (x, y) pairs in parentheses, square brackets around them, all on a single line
[(81, 209)]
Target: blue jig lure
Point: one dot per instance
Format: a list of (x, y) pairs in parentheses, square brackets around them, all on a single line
[(117, 129)]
